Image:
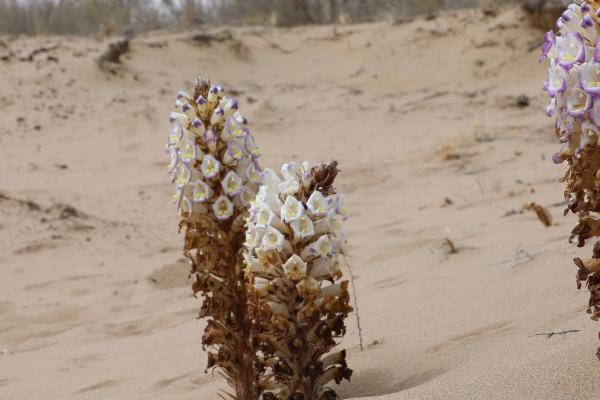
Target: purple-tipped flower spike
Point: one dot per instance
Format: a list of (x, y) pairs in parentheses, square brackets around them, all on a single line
[(576, 107), (207, 191), (570, 50)]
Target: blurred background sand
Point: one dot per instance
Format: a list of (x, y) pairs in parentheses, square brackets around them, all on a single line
[(437, 123)]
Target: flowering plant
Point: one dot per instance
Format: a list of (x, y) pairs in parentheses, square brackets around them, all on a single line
[(261, 247), (573, 85)]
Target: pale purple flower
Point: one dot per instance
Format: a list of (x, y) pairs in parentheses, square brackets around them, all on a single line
[(210, 166), (201, 191), (222, 208), (577, 101), (217, 116), (595, 112), (175, 133), (570, 50), (556, 82), (231, 184), (189, 152), (292, 209), (590, 78), (210, 138), (549, 46), (251, 146), (252, 173), (585, 8)]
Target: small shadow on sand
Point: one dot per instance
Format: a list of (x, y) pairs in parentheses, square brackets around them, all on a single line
[(378, 382)]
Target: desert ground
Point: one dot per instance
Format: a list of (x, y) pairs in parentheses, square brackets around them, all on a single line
[(439, 130)]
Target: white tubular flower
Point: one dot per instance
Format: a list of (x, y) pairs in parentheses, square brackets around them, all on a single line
[(291, 170), (289, 187), (175, 134), (210, 138), (292, 209), (217, 117), (263, 215), (231, 184), (306, 174), (197, 127), (303, 227), (270, 198), (318, 204), (180, 118), (184, 176), (339, 207), (222, 208), (210, 166), (254, 236), (234, 153), (174, 159), (189, 152), (187, 109), (321, 267), (273, 239), (327, 224), (213, 93), (201, 192), (246, 196), (230, 107), (251, 146), (320, 248), (271, 180), (295, 268), (252, 173)]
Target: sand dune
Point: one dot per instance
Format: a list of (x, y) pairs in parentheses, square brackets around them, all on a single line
[(439, 131)]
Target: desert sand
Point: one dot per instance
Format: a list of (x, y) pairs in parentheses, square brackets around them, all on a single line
[(439, 130)]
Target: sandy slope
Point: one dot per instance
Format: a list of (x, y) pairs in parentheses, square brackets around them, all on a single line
[(94, 301)]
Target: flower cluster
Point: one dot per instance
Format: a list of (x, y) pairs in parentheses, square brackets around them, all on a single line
[(573, 84), (213, 155), (293, 242)]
